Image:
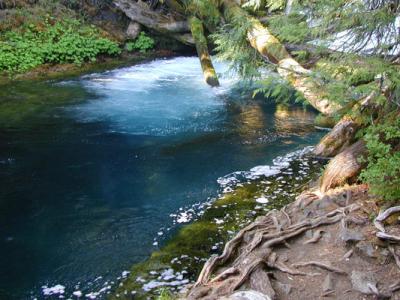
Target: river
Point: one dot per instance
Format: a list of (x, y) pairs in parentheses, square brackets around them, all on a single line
[(91, 168)]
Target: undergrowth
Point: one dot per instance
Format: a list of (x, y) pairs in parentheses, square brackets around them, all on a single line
[(52, 40)]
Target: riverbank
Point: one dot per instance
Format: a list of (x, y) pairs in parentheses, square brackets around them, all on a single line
[(245, 197), (66, 71), (312, 248)]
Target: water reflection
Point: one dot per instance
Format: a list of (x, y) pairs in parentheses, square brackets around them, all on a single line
[(93, 167), (293, 120)]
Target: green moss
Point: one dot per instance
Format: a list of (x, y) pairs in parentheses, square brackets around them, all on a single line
[(192, 245)]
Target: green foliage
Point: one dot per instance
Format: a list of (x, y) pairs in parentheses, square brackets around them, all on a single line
[(232, 46), (165, 295), (206, 10), (383, 170), (292, 28), (358, 22), (278, 90), (142, 43), (52, 41), (271, 5)]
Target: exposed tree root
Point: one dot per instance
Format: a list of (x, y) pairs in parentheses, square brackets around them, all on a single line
[(320, 265), (245, 256), (395, 255), (383, 216), (315, 238)]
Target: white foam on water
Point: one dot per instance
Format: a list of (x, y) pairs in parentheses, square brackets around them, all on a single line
[(228, 182), (57, 289), (132, 100)]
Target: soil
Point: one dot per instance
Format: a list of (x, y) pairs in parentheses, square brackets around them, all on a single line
[(348, 260)]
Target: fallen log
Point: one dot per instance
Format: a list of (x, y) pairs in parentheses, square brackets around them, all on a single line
[(196, 27), (274, 51), (141, 13)]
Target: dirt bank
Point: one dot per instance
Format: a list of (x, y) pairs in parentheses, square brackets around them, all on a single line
[(319, 246)]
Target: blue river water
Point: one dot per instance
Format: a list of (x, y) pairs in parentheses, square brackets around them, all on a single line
[(92, 167)]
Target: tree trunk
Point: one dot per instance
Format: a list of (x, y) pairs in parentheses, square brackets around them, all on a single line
[(155, 20), (273, 50), (344, 167), (340, 137), (209, 73)]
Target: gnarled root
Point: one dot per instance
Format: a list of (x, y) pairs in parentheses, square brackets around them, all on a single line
[(247, 259)]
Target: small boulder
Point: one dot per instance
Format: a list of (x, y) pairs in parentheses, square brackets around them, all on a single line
[(133, 30), (363, 282), (348, 235)]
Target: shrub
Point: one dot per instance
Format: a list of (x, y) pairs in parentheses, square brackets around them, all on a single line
[(141, 43), (52, 41), (383, 170)]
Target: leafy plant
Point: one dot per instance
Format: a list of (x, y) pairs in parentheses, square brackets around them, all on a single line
[(52, 41), (383, 170), (141, 43)]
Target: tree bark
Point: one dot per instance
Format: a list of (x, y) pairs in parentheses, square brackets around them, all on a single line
[(344, 167), (273, 50), (340, 137), (155, 20), (209, 73)]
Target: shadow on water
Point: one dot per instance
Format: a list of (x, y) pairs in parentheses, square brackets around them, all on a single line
[(92, 168)]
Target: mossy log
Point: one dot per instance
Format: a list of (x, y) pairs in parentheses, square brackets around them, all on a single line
[(344, 167), (200, 40), (170, 24), (273, 50)]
